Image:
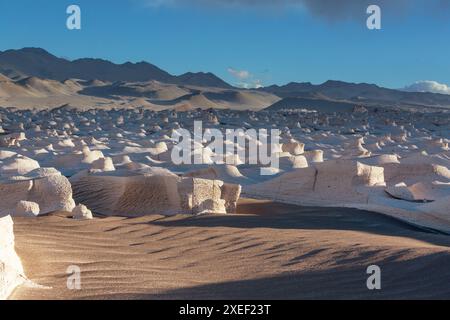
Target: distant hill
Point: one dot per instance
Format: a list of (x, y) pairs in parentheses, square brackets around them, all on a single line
[(36, 62), (358, 93)]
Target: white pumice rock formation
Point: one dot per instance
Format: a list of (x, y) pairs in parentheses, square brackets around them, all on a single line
[(45, 187), (152, 191), (17, 165), (227, 173), (334, 182), (390, 160), (81, 212), (27, 209), (11, 269), (293, 147)]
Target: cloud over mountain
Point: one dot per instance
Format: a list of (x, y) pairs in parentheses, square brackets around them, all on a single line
[(428, 86), (245, 79), (239, 74)]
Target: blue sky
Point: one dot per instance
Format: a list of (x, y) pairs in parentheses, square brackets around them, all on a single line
[(278, 42)]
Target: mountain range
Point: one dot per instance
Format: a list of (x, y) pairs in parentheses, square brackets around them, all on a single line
[(357, 93), (33, 76), (39, 63)]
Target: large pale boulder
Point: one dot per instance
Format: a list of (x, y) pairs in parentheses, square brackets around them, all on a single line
[(81, 212), (420, 192), (17, 165), (355, 149), (151, 191), (27, 209), (49, 189), (201, 196), (103, 164), (231, 194), (411, 173), (11, 270), (226, 173), (333, 182), (315, 156), (293, 147), (128, 193), (293, 162)]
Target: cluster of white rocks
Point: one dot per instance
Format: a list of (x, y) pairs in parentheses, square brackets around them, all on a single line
[(119, 162), (52, 160), (112, 161)]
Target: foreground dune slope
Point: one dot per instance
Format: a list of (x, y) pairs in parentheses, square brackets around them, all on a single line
[(269, 250)]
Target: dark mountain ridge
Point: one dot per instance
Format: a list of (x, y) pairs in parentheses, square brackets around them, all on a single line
[(39, 63), (358, 93)]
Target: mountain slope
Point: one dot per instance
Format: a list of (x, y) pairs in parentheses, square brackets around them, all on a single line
[(202, 79), (103, 79), (37, 62), (359, 93), (4, 78)]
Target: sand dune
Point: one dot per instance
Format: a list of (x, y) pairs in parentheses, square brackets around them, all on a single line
[(268, 251), (43, 88), (93, 83), (33, 92), (151, 90), (33, 87), (242, 100), (199, 101), (9, 89)]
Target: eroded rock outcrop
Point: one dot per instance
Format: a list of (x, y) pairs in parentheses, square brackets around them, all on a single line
[(47, 188), (81, 212), (152, 191), (332, 182), (11, 270), (385, 160)]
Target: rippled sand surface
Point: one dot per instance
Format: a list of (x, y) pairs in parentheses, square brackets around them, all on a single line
[(268, 250)]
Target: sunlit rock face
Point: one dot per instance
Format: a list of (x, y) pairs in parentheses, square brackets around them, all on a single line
[(154, 191), (81, 212), (334, 182), (11, 270), (39, 192)]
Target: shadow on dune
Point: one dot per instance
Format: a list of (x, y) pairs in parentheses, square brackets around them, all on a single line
[(115, 90), (280, 216), (426, 277)]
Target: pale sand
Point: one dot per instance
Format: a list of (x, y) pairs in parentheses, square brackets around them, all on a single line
[(278, 252)]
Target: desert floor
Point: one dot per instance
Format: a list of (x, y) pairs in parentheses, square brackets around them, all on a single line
[(268, 250)]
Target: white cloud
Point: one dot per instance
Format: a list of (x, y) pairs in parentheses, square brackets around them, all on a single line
[(239, 74), (245, 79), (255, 84), (428, 86)]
